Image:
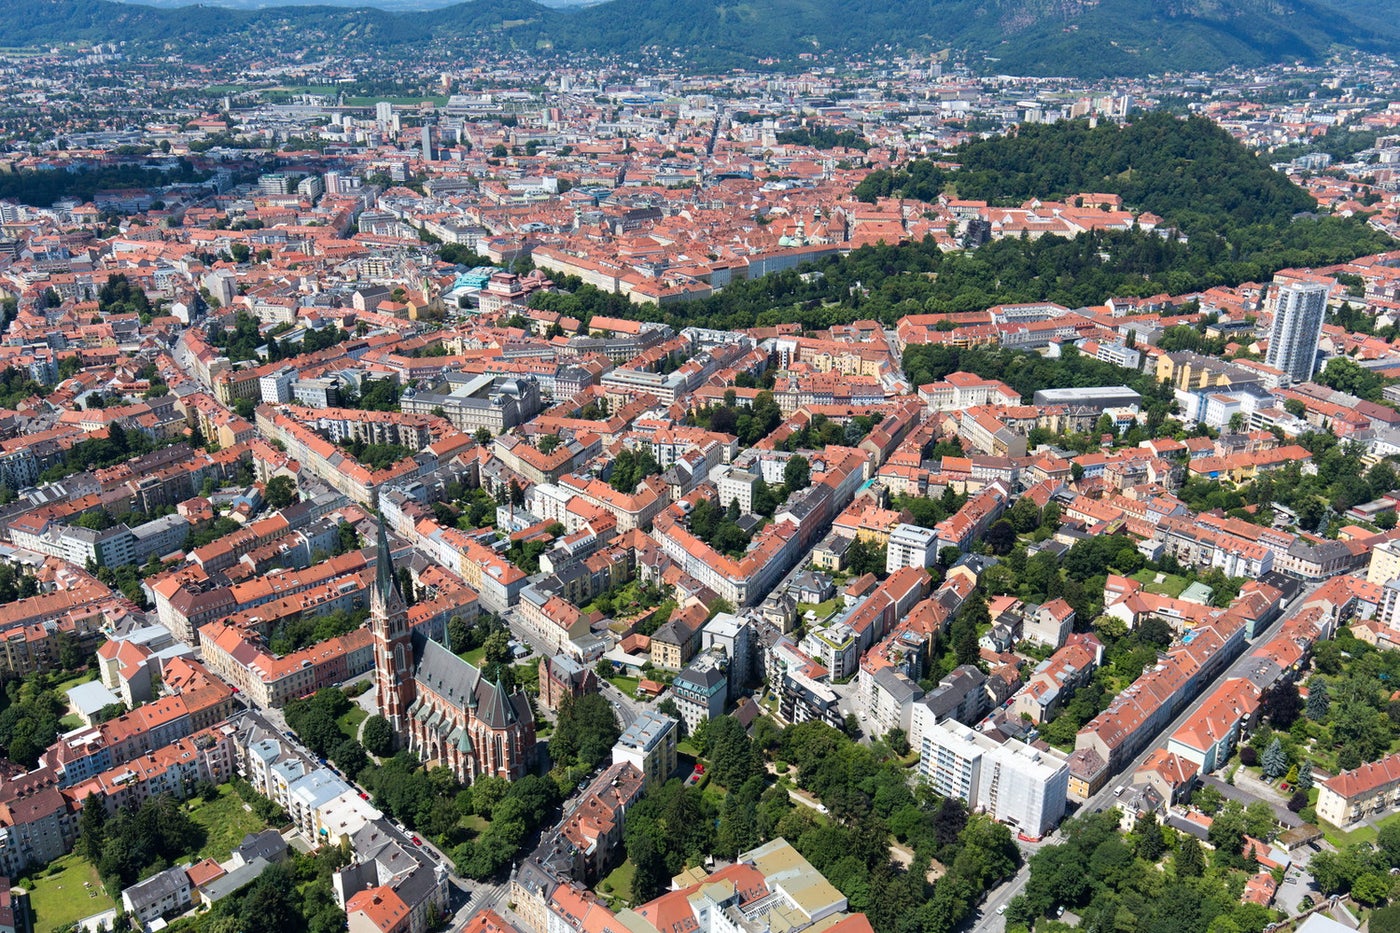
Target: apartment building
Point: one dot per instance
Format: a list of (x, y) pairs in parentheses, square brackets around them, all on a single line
[(1015, 783), (1352, 795), (649, 745)]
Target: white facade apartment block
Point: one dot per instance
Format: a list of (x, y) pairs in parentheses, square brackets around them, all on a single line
[(1297, 327), (1016, 784), (1025, 787), (911, 546)]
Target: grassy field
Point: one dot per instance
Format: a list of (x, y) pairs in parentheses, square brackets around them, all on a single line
[(618, 884), (68, 891), (350, 722), (225, 823), (1171, 584), (78, 680), (475, 657), (1365, 833), (822, 610), (627, 685)]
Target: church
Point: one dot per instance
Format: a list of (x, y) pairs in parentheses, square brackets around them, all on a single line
[(440, 707)]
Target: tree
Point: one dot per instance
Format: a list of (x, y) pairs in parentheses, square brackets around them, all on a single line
[(733, 759), (1001, 537), (459, 635), (1319, 701), (1275, 760), (1190, 861), (1298, 800), (965, 646), (280, 492), (585, 732), (1282, 705), (1372, 888), (797, 473), (378, 736), (1385, 920), (1305, 776), (651, 878), (350, 757), (1150, 844)]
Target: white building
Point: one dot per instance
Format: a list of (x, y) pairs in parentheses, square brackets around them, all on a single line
[(1297, 328), (1015, 783), (649, 745), (911, 546), (736, 485), (275, 388)]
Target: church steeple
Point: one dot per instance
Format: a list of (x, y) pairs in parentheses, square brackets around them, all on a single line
[(393, 650), (386, 593)]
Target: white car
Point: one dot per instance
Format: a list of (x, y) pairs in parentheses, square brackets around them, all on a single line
[(1001, 910)]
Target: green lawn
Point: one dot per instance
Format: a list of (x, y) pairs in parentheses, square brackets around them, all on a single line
[(627, 685), (1365, 833), (1171, 584), (225, 823), (475, 657), (68, 891), (77, 680), (70, 721), (822, 610), (618, 884), (350, 722)]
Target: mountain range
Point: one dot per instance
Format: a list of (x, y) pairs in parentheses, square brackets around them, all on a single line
[(1078, 38)]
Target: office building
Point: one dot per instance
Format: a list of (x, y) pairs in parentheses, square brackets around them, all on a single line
[(1297, 327)]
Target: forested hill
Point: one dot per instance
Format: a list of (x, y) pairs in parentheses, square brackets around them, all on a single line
[(1106, 37), (1190, 172), (1240, 217)]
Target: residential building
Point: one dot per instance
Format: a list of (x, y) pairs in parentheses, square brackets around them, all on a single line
[(1016, 783), (701, 690), (1373, 788), (910, 546), (649, 745), (1298, 316)]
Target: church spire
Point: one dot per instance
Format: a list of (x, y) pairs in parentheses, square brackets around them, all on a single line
[(393, 650), (386, 587)]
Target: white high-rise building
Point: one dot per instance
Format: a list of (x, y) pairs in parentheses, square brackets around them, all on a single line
[(910, 546), (1015, 783), (1297, 327), (383, 114)]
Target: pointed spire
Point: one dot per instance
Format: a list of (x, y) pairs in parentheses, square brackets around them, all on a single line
[(386, 587)]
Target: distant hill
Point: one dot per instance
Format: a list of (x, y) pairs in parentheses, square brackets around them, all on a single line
[(388, 6), (1086, 38)]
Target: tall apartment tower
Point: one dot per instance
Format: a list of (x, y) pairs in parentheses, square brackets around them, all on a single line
[(1297, 327)]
